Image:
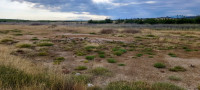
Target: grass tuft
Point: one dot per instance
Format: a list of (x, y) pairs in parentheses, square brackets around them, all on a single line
[(159, 65), (177, 69), (111, 60), (90, 57), (100, 71), (81, 68)]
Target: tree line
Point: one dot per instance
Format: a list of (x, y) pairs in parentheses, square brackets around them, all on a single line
[(195, 20)]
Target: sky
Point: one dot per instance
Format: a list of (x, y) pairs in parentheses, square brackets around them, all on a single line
[(95, 9)]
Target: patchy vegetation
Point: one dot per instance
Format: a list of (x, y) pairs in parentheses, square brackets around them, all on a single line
[(82, 58)]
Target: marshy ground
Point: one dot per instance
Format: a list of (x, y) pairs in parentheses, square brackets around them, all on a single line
[(103, 55)]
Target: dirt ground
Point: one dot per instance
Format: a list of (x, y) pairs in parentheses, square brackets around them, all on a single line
[(144, 49)]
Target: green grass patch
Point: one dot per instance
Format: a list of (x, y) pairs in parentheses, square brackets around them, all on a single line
[(14, 78), (121, 64), (24, 45), (90, 48), (139, 55), (118, 51), (159, 65), (100, 71), (18, 34), (102, 55), (42, 54), (89, 57), (165, 86), (174, 78), (111, 60), (80, 52), (6, 41), (150, 35), (172, 54), (81, 68), (34, 38), (58, 60), (45, 44), (177, 69)]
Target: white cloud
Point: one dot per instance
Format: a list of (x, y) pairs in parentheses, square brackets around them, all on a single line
[(115, 4), (25, 10), (102, 1), (150, 2)]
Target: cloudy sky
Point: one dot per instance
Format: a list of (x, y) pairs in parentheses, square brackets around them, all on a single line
[(95, 9)]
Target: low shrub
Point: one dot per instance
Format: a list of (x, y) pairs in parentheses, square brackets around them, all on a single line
[(139, 55), (177, 69), (42, 54), (18, 34), (90, 48), (101, 52), (58, 60), (100, 71), (159, 65), (90, 57), (101, 55), (108, 31), (121, 64), (45, 44), (174, 78), (80, 52), (24, 45), (165, 86), (34, 38), (81, 79), (81, 68), (172, 55), (111, 60), (7, 41), (150, 35), (132, 31)]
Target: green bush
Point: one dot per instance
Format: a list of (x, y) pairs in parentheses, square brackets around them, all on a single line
[(45, 44), (165, 86), (177, 69), (90, 57), (101, 55), (42, 54), (18, 34), (111, 60), (80, 52), (34, 38), (6, 40), (101, 52), (121, 64), (90, 48), (150, 35), (100, 71), (118, 53), (81, 79), (174, 78), (172, 55), (81, 68), (159, 65), (24, 45), (139, 55), (58, 60)]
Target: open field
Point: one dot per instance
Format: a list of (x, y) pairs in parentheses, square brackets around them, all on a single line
[(70, 57)]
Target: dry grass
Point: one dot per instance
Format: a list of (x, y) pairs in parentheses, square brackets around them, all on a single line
[(139, 67)]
